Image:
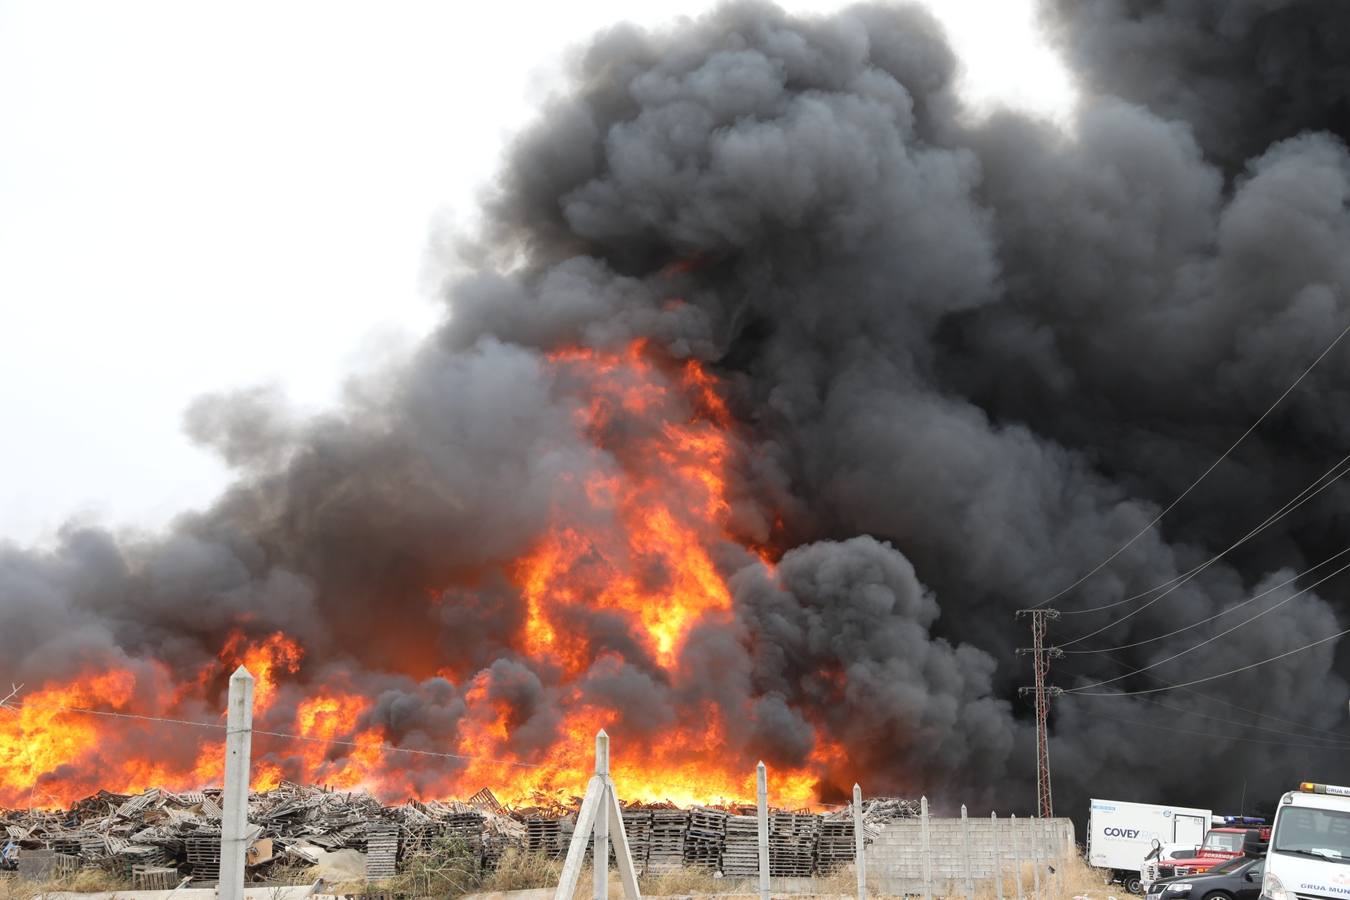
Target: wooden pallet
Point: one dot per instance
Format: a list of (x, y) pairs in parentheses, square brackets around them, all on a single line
[(203, 855), (792, 844), (382, 850), (835, 846), (545, 836), (665, 848), (705, 838), (740, 852)]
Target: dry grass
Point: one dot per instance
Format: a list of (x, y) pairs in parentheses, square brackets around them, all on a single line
[(1072, 878), (81, 881), (448, 872), (684, 882), (12, 888), (520, 871)]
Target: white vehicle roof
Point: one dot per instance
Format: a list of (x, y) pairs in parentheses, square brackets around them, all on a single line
[(1318, 796)]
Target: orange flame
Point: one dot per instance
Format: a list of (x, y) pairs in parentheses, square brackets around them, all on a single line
[(634, 540)]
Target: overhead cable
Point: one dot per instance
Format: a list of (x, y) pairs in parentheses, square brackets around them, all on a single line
[(1213, 638), (1171, 687), (1324, 481), (1223, 612), (1242, 437), (218, 726)]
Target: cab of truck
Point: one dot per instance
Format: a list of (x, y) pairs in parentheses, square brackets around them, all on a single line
[(1221, 843), (1309, 853)]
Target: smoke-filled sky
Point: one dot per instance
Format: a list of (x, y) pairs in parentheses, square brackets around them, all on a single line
[(197, 199), (959, 360)]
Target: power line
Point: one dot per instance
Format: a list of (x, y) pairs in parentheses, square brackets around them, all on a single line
[(1172, 583), (1222, 612), (1213, 638), (1084, 692), (1208, 734), (216, 726), (1158, 518), (1221, 702), (1328, 745)]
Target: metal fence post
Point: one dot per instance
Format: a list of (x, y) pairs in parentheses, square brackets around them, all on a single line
[(1016, 856), (998, 857), (859, 860), (927, 850), (965, 853)]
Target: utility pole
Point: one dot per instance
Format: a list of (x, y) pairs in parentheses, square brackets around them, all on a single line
[(1041, 655)]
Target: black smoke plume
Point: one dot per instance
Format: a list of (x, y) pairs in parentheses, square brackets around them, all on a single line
[(968, 357)]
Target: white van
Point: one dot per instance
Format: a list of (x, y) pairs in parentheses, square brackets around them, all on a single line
[(1309, 853), (1121, 834)]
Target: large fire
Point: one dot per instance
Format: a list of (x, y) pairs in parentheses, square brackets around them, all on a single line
[(640, 548)]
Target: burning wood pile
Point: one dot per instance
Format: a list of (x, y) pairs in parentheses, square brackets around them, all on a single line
[(160, 838)]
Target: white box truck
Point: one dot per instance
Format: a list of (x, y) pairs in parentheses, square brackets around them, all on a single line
[(1309, 853), (1121, 834)]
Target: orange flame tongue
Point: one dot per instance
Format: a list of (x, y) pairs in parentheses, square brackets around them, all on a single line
[(648, 560)]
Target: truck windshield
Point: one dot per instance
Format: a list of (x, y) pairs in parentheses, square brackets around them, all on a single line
[(1313, 832), (1224, 840)]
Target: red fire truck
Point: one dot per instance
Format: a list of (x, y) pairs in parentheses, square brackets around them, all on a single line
[(1228, 840)]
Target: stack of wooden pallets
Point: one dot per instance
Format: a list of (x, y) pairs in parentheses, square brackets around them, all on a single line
[(835, 847), (666, 847), (544, 836), (637, 826), (740, 852), (203, 855), (792, 844), (381, 850), (705, 838)]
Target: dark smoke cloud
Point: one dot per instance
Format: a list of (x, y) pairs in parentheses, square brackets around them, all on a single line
[(968, 362), (1243, 74)]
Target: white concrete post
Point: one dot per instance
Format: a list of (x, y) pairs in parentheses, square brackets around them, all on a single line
[(965, 853), (1035, 858), (234, 802), (1016, 856), (1052, 856), (927, 849), (600, 850), (585, 827), (859, 860), (601, 804), (998, 856), (762, 800)]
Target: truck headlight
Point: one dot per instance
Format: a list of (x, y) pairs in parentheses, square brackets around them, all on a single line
[(1273, 889)]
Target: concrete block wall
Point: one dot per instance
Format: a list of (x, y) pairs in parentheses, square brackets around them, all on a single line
[(895, 856)]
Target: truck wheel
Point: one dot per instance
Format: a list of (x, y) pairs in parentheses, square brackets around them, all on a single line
[(1135, 885)]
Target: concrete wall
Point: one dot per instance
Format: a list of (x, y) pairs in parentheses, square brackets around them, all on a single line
[(895, 856)]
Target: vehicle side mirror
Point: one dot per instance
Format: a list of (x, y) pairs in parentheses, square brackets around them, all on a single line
[(1249, 875)]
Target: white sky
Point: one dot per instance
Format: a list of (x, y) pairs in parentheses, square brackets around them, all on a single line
[(198, 196)]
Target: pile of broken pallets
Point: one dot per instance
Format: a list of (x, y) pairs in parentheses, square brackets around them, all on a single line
[(162, 838), (159, 836)]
